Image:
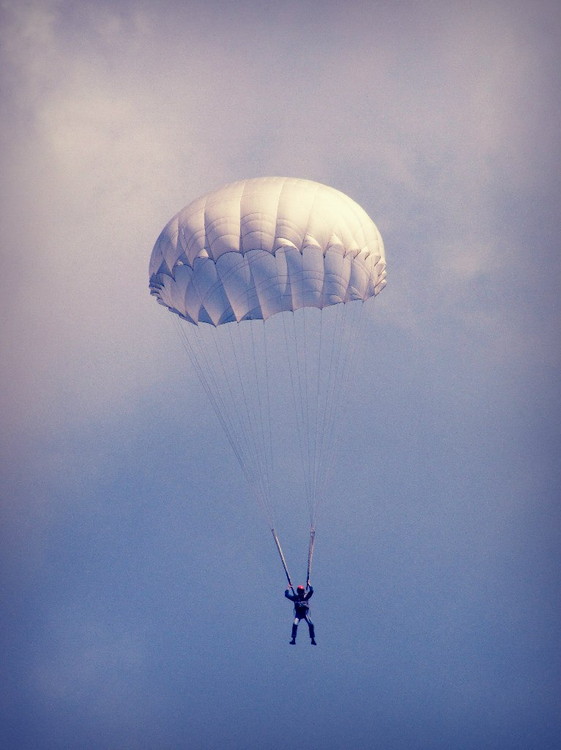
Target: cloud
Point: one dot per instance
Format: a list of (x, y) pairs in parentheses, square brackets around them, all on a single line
[(122, 115), (441, 119)]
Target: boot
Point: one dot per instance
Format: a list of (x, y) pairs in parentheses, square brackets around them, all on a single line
[(313, 642), (292, 642)]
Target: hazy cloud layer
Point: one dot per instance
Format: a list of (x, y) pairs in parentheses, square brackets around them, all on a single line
[(442, 120)]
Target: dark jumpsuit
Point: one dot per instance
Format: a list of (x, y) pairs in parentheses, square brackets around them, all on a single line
[(301, 609)]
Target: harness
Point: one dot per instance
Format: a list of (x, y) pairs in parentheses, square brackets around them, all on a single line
[(301, 608)]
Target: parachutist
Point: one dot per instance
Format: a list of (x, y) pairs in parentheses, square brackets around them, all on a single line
[(301, 611)]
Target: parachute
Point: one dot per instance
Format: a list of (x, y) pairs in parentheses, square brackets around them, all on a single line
[(266, 278)]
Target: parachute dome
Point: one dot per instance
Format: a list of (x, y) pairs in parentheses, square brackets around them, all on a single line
[(258, 247)]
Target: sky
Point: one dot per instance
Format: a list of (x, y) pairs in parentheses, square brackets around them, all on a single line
[(142, 596)]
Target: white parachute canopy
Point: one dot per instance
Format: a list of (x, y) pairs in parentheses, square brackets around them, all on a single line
[(257, 247), (270, 265)]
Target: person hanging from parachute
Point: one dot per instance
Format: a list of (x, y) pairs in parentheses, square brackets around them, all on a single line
[(302, 594), (301, 611)]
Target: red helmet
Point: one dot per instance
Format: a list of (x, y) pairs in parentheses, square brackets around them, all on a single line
[(300, 588)]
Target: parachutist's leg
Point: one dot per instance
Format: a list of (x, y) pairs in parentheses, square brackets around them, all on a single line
[(294, 631), (312, 630)]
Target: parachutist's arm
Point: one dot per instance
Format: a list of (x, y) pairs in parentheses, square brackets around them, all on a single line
[(310, 592), (289, 595)]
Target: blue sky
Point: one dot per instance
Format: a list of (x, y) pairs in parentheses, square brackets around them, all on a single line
[(143, 601)]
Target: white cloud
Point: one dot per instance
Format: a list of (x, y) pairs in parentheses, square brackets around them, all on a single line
[(122, 115)]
